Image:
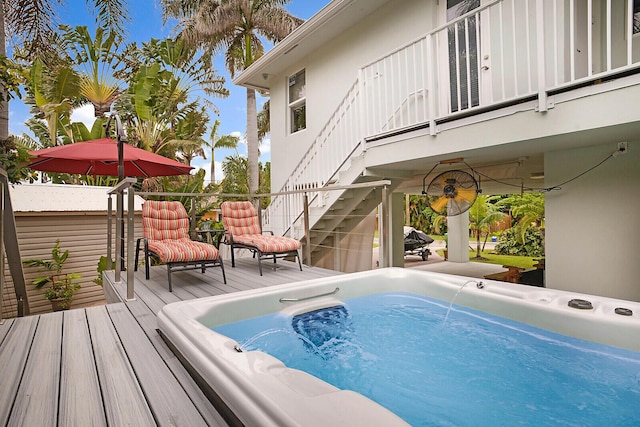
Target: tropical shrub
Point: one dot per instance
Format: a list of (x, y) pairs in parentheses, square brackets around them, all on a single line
[(532, 245)]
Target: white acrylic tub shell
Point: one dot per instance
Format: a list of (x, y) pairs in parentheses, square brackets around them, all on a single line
[(261, 390)]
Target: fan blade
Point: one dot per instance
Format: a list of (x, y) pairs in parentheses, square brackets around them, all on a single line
[(439, 204), (467, 194), (457, 207)]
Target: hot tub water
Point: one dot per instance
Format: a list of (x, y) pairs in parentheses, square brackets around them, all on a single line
[(475, 368)]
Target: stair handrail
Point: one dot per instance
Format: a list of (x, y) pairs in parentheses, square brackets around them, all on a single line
[(308, 174)]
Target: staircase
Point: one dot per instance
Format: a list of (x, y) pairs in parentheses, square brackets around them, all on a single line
[(411, 86)]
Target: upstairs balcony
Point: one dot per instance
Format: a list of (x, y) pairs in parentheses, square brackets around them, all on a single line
[(502, 56)]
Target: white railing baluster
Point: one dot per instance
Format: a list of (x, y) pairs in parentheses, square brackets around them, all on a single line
[(503, 93), (528, 44), (556, 58), (514, 58), (608, 26), (542, 84), (572, 38), (629, 32), (417, 83), (589, 38)]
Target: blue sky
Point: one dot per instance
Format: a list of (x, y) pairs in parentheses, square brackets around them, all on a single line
[(146, 23)]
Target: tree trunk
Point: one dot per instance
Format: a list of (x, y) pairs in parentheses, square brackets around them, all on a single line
[(4, 104), (252, 141), (213, 164)]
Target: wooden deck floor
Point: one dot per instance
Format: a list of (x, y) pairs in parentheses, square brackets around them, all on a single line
[(107, 365)]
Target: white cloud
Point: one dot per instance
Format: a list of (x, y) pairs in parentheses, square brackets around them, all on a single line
[(207, 169), (265, 146), (84, 114)]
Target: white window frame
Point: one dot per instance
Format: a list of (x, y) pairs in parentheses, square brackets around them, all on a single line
[(295, 105)]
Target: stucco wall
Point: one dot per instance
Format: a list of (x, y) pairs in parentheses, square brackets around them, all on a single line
[(337, 63), (592, 224)]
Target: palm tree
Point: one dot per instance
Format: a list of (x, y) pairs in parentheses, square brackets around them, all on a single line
[(54, 92), (235, 27), (97, 57), (483, 214), (224, 141), (528, 209), (31, 23)]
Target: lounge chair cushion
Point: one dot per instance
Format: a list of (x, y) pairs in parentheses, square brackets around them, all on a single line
[(166, 226), (240, 218), (268, 243), (165, 220), (183, 250)]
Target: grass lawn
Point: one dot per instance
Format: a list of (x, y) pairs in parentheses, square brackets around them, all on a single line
[(492, 258), (516, 261)]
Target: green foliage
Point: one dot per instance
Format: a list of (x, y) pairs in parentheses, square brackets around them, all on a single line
[(14, 154), (11, 77), (532, 246), (193, 184), (423, 218), (61, 285), (528, 210), (102, 266), (236, 174), (483, 214)]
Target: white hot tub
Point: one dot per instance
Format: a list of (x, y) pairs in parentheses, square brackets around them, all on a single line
[(259, 389)]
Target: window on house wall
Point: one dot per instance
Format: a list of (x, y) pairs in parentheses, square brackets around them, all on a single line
[(297, 102)]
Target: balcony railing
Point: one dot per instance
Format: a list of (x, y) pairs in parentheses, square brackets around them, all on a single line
[(499, 54)]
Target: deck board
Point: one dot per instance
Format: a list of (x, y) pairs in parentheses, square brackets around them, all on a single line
[(153, 374), (108, 365), (79, 376), (123, 398), (37, 399), (4, 328), (13, 358)]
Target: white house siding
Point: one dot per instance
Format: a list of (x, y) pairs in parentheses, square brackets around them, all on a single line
[(332, 70), (592, 227), (510, 141)]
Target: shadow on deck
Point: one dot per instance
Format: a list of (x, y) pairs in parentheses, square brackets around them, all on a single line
[(108, 365)]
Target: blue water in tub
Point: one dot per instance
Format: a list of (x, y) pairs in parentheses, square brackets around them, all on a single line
[(474, 369)]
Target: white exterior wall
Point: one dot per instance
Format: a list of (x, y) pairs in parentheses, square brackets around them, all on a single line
[(332, 70), (592, 224)]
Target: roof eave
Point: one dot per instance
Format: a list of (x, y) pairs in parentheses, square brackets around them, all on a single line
[(257, 75)]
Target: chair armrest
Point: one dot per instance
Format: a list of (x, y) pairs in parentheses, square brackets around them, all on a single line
[(228, 237), (267, 232)]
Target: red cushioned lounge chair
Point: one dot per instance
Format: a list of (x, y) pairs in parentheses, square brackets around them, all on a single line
[(166, 235), (243, 231)]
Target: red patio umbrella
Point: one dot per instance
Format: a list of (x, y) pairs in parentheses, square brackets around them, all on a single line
[(100, 157)]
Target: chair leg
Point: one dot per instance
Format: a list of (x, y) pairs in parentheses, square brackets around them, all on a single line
[(224, 277), (259, 261), (299, 261), (146, 260), (169, 277), (233, 259), (135, 266)]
